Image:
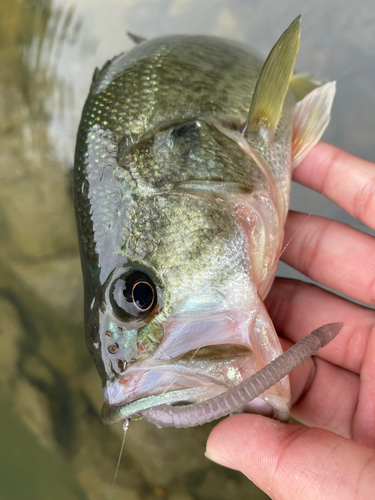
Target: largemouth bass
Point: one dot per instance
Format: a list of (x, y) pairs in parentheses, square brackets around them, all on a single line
[(182, 179)]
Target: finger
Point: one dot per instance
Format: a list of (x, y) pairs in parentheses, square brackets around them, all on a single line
[(297, 308), (364, 421), (332, 254), (321, 392), (326, 397), (290, 461), (320, 389), (335, 399), (345, 179)]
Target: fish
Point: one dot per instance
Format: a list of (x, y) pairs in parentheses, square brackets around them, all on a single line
[(182, 181)]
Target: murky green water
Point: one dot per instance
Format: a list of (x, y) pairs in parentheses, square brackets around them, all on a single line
[(53, 444)]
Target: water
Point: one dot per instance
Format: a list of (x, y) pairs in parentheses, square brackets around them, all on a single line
[(53, 444)]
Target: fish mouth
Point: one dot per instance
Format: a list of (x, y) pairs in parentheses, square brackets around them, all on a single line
[(115, 414), (195, 377), (198, 359)]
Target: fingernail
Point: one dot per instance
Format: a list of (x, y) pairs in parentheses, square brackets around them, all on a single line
[(218, 459)]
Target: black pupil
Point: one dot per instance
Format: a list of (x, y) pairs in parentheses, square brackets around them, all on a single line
[(132, 295), (143, 295)]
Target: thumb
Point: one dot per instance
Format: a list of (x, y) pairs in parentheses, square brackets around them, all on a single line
[(290, 461)]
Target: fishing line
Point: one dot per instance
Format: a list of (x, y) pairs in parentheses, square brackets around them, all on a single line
[(302, 224), (178, 376), (165, 352), (170, 385), (196, 350), (125, 427), (293, 235)]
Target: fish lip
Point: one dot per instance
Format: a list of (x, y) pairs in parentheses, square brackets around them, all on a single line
[(206, 385), (112, 414)]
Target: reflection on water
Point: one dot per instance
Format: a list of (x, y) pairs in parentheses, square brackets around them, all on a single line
[(53, 442)]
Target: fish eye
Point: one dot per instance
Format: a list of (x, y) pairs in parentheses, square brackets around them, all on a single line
[(132, 296)]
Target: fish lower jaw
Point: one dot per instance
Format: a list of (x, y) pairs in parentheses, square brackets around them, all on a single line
[(112, 414), (274, 403), (268, 405)]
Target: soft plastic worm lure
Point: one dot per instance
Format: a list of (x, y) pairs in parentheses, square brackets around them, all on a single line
[(234, 399)]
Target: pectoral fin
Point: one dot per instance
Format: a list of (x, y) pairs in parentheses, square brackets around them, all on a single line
[(273, 82), (302, 84), (311, 117)]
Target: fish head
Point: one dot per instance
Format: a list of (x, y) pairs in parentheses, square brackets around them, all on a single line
[(173, 311)]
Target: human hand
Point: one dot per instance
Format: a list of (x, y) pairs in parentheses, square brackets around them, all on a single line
[(334, 392)]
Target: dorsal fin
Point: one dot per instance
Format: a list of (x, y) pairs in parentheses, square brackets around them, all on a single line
[(136, 38), (96, 74), (273, 82)]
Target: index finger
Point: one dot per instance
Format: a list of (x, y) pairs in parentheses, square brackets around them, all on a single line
[(343, 178)]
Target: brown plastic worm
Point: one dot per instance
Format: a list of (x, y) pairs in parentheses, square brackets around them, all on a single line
[(234, 399)]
